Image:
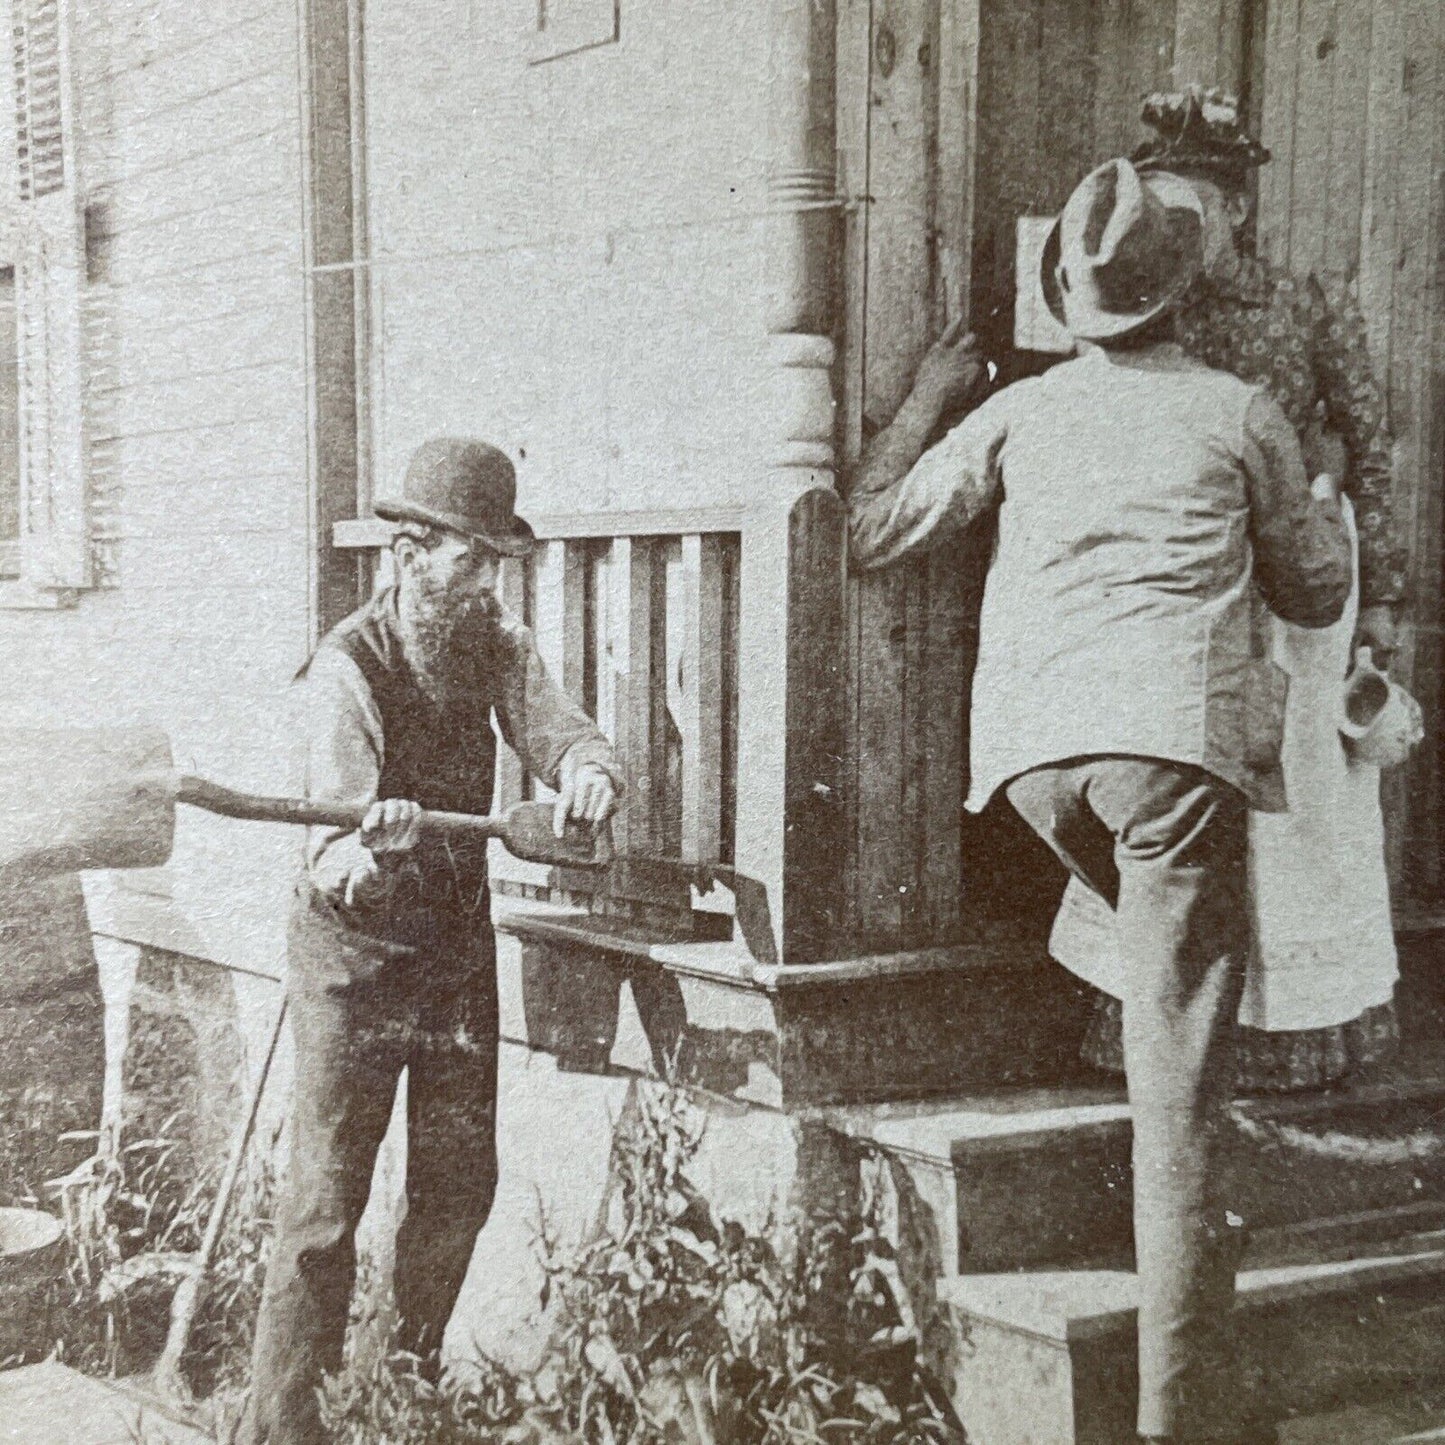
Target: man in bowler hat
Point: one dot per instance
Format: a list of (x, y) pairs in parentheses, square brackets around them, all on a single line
[(1119, 699), (391, 951)]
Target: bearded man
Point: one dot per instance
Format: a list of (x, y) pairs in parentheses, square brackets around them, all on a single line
[(391, 951)]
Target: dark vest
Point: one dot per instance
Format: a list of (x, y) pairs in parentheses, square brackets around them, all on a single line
[(442, 758)]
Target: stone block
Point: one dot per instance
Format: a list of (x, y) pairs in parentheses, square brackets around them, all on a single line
[(1061, 1192)]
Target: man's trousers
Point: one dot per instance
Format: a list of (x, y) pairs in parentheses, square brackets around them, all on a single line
[(361, 1013), (1165, 845)]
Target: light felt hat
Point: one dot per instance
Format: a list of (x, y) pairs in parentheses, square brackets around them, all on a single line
[(1125, 248)]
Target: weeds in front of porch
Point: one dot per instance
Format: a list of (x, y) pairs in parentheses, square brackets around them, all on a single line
[(132, 1225), (669, 1327)]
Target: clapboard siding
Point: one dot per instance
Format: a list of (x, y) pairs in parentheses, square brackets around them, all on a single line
[(196, 374)]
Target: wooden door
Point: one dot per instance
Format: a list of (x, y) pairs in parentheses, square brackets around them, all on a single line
[(957, 117)]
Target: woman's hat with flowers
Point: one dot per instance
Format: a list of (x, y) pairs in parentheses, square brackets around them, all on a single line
[(1197, 132)]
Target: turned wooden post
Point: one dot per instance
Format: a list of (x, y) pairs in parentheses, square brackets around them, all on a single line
[(791, 641)]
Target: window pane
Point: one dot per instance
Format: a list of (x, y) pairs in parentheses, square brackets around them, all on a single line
[(9, 411)]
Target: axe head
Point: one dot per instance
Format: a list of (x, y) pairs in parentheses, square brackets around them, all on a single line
[(527, 833)]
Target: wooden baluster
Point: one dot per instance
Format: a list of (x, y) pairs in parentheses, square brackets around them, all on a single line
[(559, 604), (512, 782), (624, 608), (695, 602)]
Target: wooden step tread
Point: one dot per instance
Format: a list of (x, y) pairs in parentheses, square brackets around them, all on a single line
[(1008, 1119), (1070, 1305), (1402, 1424)]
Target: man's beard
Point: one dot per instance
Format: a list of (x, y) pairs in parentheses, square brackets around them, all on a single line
[(451, 634)]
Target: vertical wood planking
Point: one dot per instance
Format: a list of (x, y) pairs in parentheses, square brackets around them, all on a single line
[(957, 155), (1115, 122), (560, 580), (950, 585), (1416, 399), (898, 321), (902, 182), (1349, 107), (512, 781), (1008, 113), (558, 608), (1154, 25), (1310, 179), (1381, 122), (1277, 126), (1068, 72), (814, 896), (953, 595), (1209, 44), (695, 627)]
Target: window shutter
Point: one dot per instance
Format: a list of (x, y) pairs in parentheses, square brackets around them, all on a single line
[(56, 540)]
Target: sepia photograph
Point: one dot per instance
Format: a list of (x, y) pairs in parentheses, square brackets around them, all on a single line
[(723, 722)]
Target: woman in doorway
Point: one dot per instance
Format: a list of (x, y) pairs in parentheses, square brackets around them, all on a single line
[(1319, 1001)]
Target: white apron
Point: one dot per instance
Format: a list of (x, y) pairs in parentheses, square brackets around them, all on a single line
[(1319, 898)]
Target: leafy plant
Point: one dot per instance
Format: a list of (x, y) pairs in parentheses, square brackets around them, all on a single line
[(132, 1228), (670, 1328)]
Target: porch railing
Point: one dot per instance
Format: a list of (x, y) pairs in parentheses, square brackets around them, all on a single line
[(636, 616)]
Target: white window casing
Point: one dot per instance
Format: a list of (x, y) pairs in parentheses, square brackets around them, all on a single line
[(43, 231)]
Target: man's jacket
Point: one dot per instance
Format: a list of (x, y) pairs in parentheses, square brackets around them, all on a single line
[(1140, 495)]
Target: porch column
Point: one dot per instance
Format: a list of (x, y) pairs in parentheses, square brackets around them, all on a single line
[(791, 640)]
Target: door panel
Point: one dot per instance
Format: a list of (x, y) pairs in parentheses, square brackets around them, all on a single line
[(941, 155)]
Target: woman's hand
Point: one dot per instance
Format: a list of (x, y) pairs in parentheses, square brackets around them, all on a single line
[(1377, 629)]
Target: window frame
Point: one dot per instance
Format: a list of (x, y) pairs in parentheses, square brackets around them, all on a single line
[(42, 238)]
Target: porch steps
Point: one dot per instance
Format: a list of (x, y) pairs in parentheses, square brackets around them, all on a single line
[(1341, 1298), (1054, 1187), (1048, 1357)]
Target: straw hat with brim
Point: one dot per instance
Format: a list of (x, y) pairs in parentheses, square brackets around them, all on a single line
[(464, 486), (1125, 248)]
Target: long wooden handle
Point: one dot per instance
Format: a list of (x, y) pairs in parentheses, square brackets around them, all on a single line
[(525, 828), (214, 798), (167, 1374)]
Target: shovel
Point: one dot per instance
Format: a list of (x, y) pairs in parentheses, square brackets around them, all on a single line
[(77, 799)]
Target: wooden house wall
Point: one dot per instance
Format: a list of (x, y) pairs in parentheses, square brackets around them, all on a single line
[(567, 257), (1354, 112), (197, 413), (956, 119)]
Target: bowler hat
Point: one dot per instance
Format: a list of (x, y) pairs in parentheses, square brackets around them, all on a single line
[(1124, 249), (1197, 132), (465, 486)]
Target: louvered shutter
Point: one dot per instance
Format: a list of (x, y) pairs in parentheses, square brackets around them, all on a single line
[(51, 274)]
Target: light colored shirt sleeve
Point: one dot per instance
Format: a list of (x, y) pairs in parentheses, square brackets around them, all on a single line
[(344, 755), (948, 488), (548, 731), (1301, 547)]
